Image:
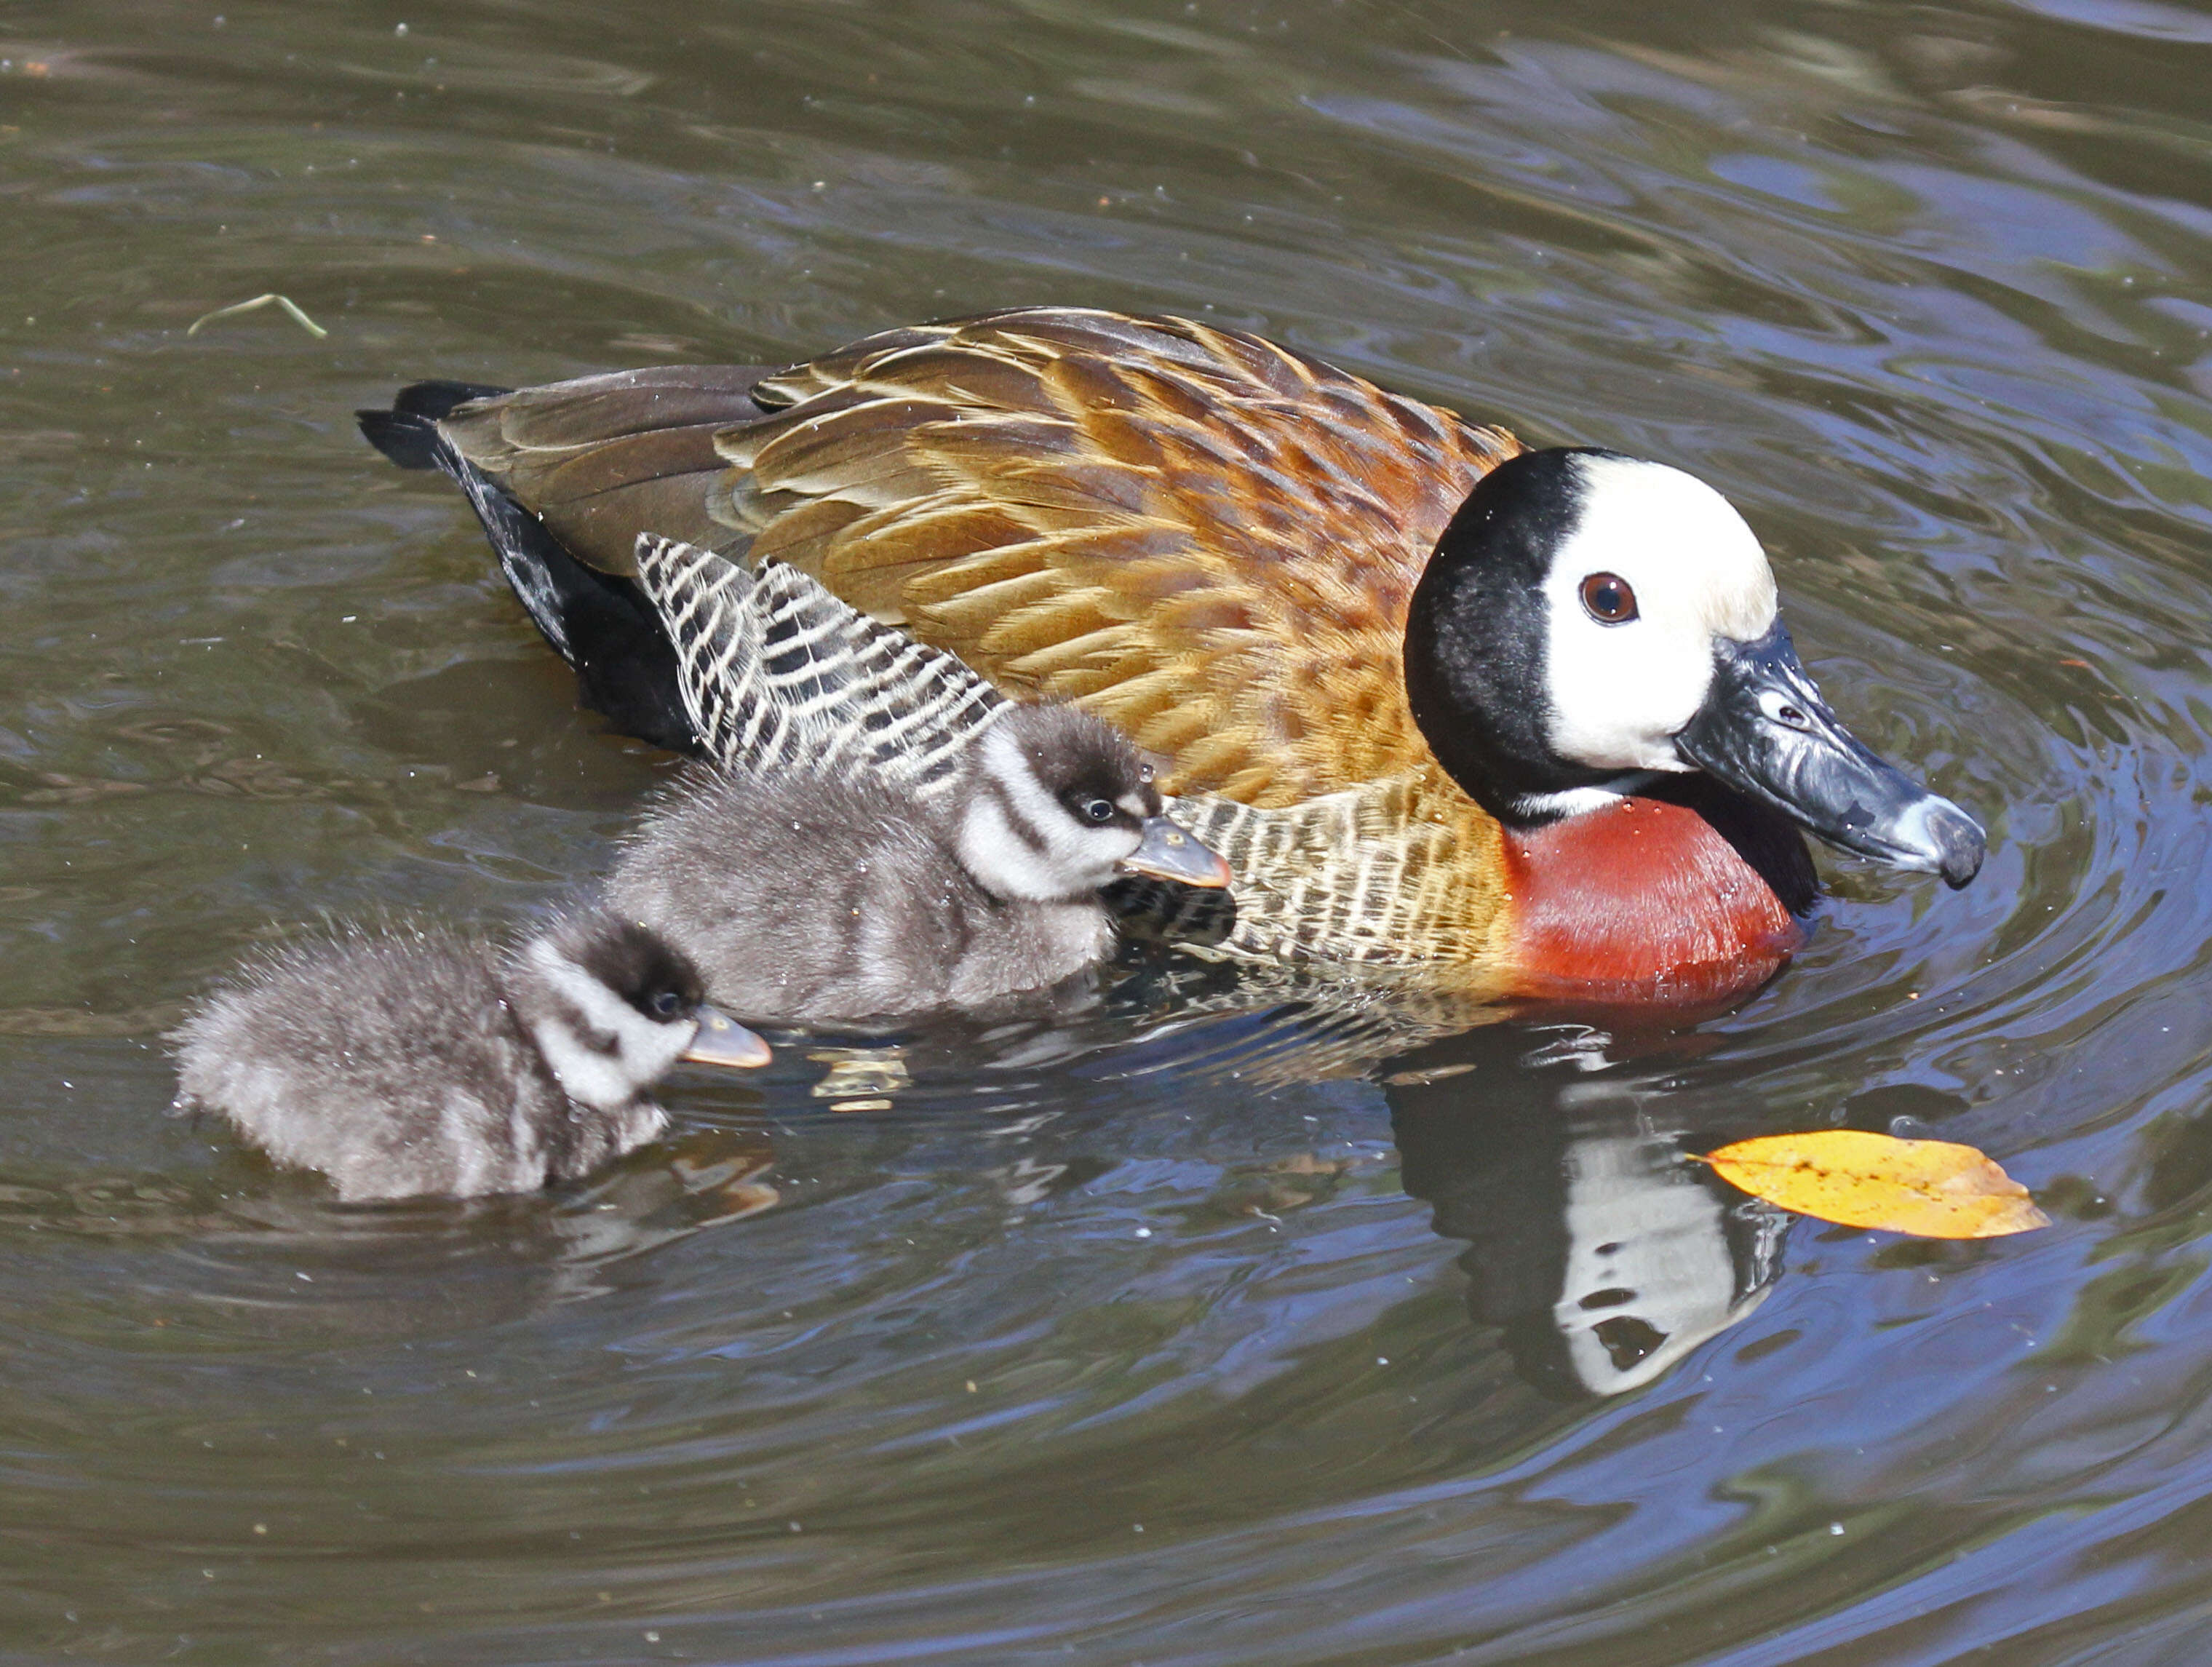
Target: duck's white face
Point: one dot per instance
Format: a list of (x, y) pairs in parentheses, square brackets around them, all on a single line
[(1655, 568), (1587, 617)]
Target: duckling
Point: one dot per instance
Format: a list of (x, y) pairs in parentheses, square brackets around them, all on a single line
[(888, 835), (426, 1062), (1531, 717)]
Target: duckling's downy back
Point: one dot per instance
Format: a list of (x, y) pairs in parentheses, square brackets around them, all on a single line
[(421, 1062), (822, 898), (393, 1065)]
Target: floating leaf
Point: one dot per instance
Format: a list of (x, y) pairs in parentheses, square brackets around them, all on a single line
[(1935, 1189)]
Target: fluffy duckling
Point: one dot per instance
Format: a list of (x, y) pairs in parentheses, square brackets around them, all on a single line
[(431, 1063), (888, 834), (842, 897)]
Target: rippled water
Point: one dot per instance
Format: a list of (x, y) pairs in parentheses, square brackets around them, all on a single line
[(1170, 1334)]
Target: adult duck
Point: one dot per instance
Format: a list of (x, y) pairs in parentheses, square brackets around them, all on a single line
[(1528, 717)]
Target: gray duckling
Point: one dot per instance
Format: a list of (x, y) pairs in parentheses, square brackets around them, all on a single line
[(887, 834), (421, 1062)]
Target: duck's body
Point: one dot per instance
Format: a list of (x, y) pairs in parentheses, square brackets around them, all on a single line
[(1206, 540), (884, 835), (1221, 547), (401, 1065)]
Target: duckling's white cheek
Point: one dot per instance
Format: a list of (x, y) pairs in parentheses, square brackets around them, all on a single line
[(1618, 693), (1001, 861), (1084, 853), (1107, 850)]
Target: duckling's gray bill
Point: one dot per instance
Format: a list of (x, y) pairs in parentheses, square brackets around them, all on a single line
[(1169, 852), (723, 1041)]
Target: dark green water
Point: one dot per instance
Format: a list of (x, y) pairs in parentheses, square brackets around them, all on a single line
[(1142, 1339)]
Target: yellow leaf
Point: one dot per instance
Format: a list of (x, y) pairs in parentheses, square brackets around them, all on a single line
[(1935, 1189)]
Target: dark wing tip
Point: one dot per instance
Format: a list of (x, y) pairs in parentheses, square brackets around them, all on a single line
[(407, 432), (438, 398)]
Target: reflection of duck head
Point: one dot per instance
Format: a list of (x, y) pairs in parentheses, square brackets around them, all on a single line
[(1656, 1262), (1602, 1254)]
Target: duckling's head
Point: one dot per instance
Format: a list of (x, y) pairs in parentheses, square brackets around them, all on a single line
[(1588, 616), (613, 1006), (1057, 804)]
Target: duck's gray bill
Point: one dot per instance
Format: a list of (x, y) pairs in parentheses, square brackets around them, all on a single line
[(1167, 851), (723, 1041), (1764, 730)]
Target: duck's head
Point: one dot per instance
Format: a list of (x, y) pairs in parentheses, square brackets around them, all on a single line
[(1057, 804), (1587, 616), (613, 1006)]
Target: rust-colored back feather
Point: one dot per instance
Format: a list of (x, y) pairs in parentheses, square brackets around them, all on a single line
[(1203, 538)]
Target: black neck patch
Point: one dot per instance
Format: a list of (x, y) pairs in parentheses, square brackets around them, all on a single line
[(1477, 633)]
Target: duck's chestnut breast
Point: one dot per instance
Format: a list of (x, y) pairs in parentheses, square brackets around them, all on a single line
[(1685, 892)]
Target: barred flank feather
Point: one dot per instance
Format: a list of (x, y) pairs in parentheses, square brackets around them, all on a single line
[(778, 676), (782, 677), (1366, 875)]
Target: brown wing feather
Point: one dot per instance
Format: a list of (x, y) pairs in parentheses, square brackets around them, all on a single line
[(601, 458), (1205, 538)]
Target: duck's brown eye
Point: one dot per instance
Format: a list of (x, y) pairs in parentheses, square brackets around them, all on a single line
[(1607, 599)]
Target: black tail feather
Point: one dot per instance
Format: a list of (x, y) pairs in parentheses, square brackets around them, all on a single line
[(601, 624), (411, 442), (437, 399), (408, 434)]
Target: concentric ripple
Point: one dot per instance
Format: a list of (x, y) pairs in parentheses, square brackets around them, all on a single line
[(1191, 1322)]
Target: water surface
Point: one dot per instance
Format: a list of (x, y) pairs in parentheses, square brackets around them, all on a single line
[(1167, 1332)]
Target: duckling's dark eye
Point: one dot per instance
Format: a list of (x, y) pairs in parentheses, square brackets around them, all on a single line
[(664, 1005), (1607, 599), (1098, 812)]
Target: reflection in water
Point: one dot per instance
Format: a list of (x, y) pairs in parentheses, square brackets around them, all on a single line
[(1600, 1253), (360, 1270), (1920, 288)]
